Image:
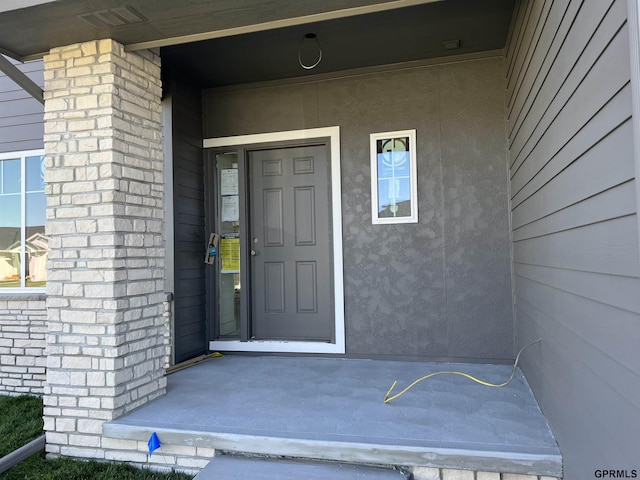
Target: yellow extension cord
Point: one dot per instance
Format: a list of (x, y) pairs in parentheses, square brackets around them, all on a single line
[(388, 399)]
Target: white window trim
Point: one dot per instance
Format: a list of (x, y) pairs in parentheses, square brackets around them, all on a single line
[(23, 154), (336, 205), (413, 172)]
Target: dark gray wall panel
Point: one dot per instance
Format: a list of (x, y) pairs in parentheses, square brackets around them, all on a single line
[(395, 291), (439, 288), (21, 116), (296, 106), (575, 225), (190, 323), (475, 212)]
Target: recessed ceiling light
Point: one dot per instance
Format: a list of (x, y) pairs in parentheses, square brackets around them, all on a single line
[(451, 44)]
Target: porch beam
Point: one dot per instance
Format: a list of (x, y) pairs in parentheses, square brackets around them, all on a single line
[(28, 85)]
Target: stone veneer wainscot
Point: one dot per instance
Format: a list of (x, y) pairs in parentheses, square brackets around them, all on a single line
[(23, 329)]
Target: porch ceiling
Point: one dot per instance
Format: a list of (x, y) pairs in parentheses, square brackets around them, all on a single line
[(401, 30)]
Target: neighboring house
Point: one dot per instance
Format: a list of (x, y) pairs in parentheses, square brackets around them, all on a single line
[(528, 147), (36, 253)]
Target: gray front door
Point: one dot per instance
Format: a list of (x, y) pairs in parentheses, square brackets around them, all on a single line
[(290, 242)]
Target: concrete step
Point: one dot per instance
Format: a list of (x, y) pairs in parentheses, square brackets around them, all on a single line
[(231, 467)]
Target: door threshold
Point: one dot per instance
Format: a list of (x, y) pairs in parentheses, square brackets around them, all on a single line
[(189, 363), (275, 346)]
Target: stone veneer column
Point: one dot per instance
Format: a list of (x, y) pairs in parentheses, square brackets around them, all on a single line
[(103, 148)]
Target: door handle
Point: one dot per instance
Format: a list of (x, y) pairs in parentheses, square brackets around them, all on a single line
[(253, 253)]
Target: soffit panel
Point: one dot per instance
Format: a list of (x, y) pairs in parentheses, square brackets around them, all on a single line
[(39, 28), (402, 35), (398, 35)]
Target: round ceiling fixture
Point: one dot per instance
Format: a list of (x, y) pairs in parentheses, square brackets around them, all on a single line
[(310, 38)]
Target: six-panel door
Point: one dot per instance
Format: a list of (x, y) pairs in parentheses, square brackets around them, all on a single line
[(290, 242)]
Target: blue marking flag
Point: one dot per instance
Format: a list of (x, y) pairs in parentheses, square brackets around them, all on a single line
[(153, 443)]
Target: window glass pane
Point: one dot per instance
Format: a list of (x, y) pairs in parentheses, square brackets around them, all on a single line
[(228, 260), (394, 185), (10, 210), (9, 240), (10, 176), (17, 259), (36, 242), (36, 206), (35, 173)]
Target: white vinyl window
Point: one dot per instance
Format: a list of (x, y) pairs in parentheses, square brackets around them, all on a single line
[(394, 191), (24, 247)]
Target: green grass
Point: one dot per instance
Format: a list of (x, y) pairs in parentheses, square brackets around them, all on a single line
[(16, 283), (38, 468), (21, 422)]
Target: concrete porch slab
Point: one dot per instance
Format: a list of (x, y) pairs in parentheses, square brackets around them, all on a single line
[(333, 409)]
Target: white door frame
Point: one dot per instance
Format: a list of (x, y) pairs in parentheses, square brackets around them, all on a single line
[(333, 133)]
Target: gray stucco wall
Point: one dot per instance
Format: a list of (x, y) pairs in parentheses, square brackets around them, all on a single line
[(575, 226), (439, 288)]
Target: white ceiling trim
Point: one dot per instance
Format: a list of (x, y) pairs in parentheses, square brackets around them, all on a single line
[(8, 5)]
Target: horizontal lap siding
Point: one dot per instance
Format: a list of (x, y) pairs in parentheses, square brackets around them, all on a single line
[(575, 232), (190, 334), (21, 115)]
